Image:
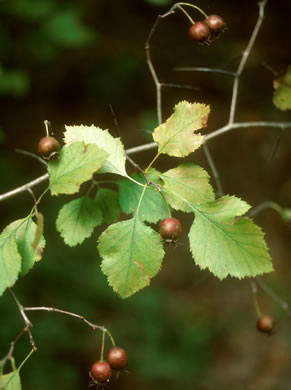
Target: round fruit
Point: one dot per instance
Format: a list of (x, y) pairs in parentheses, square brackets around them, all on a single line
[(199, 32), (170, 228), (265, 324), (101, 370), (48, 145), (215, 23), (117, 358)]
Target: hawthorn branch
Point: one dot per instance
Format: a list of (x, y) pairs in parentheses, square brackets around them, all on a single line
[(244, 59), (68, 313)]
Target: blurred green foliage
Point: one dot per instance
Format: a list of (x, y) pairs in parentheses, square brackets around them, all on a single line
[(40, 30)]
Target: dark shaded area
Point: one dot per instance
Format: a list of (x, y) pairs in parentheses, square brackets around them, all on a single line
[(66, 61)]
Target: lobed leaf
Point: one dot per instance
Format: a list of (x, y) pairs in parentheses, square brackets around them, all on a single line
[(226, 245), (187, 182), (76, 164), (176, 137), (132, 254), (153, 207), (77, 220), (115, 162)]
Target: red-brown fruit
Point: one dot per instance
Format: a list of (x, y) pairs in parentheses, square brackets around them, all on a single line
[(170, 228), (117, 358), (215, 24), (48, 145), (265, 324), (101, 370), (199, 32)]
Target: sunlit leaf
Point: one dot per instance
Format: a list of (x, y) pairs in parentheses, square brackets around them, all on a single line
[(115, 163), (187, 182), (227, 245), (76, 164), (77, 220), (153, 207), (132, 254), (176, 137)]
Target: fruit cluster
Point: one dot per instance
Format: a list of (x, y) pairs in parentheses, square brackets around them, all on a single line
[(101, 370), (207, 30)]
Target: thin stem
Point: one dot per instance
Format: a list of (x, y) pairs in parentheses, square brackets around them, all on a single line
[(241, 125), (151, 163), (24, 187), (186, 13), (193, 6), (209, 70), (181, 86), (12, 347), (281, 302), (25, 318), (215, 173), (47, 127), (102, 346), (255, 298), (68, 313), (263, 206), (140, 200), (111, 338), (243, 61), (33, 155), (140, 148)]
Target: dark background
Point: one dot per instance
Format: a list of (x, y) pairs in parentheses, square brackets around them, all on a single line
[(66, 61)]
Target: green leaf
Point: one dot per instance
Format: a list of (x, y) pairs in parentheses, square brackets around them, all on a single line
[(77, 220), (10, 259), (176, 137), (10, 381), (282, 93), (106, 200), (115, 163), (190, 182), (64, 28), (25, 236), (76, 164), (153, 207), (132, 254), (226, 245), (23, 231)]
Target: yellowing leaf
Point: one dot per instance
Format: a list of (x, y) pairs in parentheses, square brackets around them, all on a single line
[(115, 162), (176, 137)]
